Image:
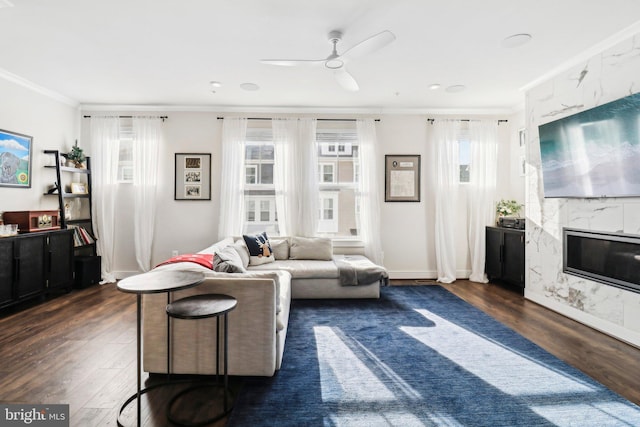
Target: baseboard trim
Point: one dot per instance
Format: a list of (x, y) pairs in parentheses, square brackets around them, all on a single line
[(616, 331)]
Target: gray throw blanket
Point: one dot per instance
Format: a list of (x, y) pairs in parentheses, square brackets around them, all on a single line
[(358, 270)]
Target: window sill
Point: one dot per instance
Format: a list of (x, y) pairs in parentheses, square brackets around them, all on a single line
[(347, 243)]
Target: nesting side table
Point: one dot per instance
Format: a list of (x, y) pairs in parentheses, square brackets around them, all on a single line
[(202, 307), (151, 283)]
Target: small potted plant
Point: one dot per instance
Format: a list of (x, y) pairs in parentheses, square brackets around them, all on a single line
[(508, 208), (76, 156)]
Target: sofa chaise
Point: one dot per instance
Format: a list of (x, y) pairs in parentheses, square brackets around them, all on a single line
[(294, 267)]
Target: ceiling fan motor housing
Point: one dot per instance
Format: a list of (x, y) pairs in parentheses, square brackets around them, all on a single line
[(333, 62)]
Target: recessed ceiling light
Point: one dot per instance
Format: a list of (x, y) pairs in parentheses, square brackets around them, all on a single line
[(455, 88), (249, 86), (516, 40), (215, 84), (434, 86)]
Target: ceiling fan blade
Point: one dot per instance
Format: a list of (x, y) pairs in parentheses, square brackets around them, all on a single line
[(292, 62), (346, 80), (371, 44)]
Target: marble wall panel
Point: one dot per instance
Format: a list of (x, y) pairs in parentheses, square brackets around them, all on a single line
[(610, 75)]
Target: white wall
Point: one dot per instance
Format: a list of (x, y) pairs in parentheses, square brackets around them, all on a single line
[(407, 228), (52, 124), (610, 75), (185, 226)]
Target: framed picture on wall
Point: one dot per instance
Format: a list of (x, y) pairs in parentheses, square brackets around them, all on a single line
[(192, 176), (402, 178), (15, 159)]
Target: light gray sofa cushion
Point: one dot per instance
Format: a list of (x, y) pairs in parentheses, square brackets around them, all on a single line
[(301, 269), (228, 260), (280, 248), (316, 248), (242, 250)]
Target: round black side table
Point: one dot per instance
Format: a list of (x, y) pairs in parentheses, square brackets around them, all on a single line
[(151, 283), (202, 307)]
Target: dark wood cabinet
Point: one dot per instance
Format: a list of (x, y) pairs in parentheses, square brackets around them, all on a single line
[(34, 265), (7, 264), (29, 253), (60, 260), (504, 259)]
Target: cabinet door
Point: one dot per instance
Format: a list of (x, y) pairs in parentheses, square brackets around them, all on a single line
[(493, 254), (30, 254), (513, 264), (6, 271), (60, 262)]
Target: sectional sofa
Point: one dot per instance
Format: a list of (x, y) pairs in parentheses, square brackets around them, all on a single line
[(299, 268)]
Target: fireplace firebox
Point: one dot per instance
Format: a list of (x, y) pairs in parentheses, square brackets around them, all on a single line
[(611, 258)]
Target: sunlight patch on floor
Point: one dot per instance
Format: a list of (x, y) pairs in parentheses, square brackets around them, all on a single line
[(488, 360), (344, 376), (397, 419), (584, 414)]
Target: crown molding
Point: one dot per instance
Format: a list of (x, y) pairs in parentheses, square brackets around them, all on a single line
[(297, 110), (594, 50), (13, 78)]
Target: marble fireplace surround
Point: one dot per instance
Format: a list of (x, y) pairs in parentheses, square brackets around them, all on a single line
[(610, 72), (609, 258)]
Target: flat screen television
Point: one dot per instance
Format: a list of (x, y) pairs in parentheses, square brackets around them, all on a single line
[(594, 153)]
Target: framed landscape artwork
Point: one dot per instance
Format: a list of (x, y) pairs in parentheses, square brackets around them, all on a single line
[(402, 178), (193, 176), (15, 159)]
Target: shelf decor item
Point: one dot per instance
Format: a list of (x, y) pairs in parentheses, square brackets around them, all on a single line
[(78, 188), (15, 159), (507, 208), (76, 156), (30, 221)]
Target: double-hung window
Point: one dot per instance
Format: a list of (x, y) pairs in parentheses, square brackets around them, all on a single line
[(337, 181), (338, 172), (259, 194)]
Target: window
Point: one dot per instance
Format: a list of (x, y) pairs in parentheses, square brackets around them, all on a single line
[(125, 157), (260, 215), (259, 162), (464, 156), (326, 172), (259, 194), (328, 222), (251, 174), (338, 173)]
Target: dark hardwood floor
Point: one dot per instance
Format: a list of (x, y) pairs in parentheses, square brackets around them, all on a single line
[(80, 349)]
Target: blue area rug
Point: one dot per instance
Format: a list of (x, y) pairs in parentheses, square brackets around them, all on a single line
[(419, 356)]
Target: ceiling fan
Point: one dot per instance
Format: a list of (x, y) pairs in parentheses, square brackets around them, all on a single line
[(336, 61)]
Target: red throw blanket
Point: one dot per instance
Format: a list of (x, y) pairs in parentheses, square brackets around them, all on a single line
[(205, 260)]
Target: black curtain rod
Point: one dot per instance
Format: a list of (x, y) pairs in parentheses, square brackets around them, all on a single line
[(320, 120), (468, 120), (130, 117)]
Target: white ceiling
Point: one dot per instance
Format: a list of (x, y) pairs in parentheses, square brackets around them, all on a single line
[(165, 53)]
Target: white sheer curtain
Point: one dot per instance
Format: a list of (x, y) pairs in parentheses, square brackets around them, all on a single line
[(369, 189), (307, 157), (147, 133), (284, 173), (483, 136), (444, 136), (232, 177), (296, 176), (105, 152)]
